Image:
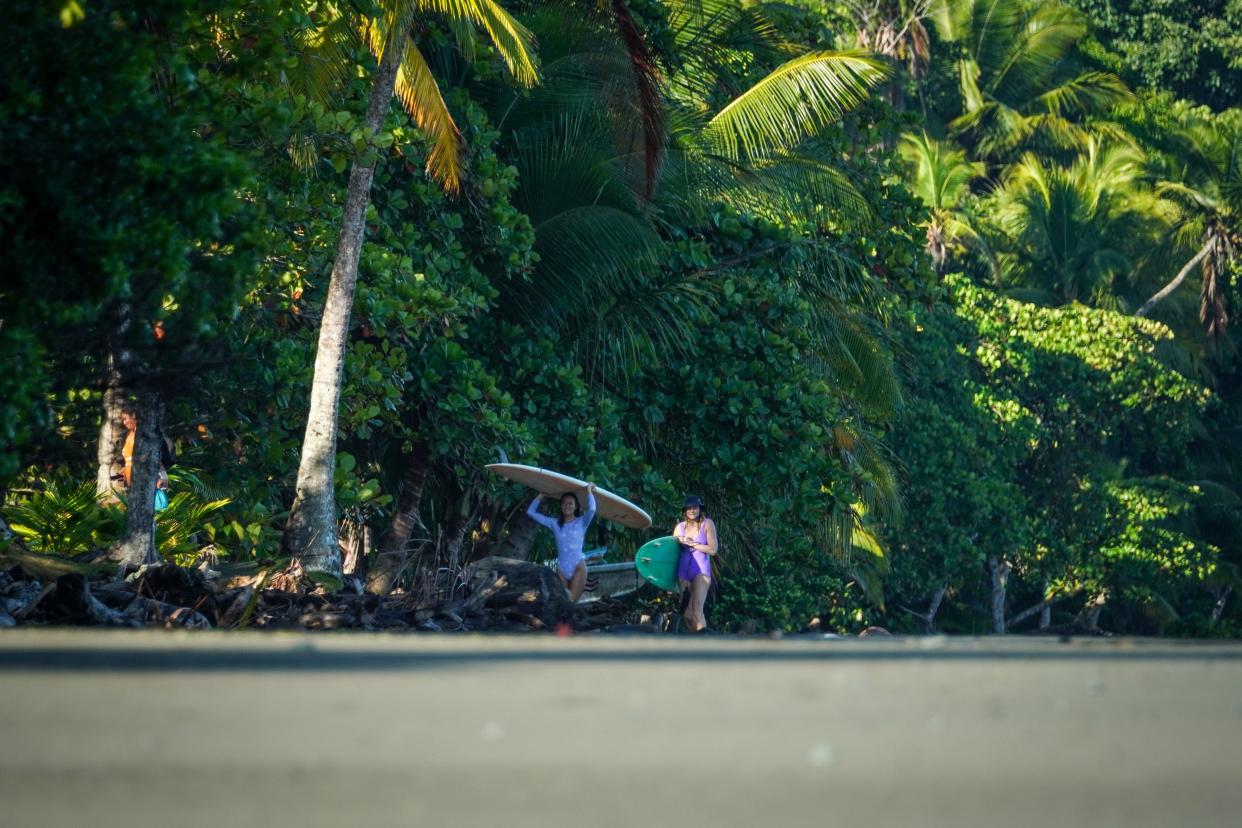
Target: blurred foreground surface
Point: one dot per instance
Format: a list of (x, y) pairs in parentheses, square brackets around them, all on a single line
[(147, 729)]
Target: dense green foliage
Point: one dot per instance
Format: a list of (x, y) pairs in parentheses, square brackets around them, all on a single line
[(1193, 50), (877, 309), (109, 230), (1058, 438)]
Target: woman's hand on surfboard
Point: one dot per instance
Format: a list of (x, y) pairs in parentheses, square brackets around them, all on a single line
[(591, 488)]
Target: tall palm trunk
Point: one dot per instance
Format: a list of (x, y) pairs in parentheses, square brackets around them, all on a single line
[(310, 534), (137, 546)]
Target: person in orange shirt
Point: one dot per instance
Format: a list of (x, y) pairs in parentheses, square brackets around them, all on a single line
[(129, 419)]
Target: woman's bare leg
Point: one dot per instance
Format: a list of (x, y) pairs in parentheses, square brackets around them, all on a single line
[(577, 584), (698, 597), (683, 605)]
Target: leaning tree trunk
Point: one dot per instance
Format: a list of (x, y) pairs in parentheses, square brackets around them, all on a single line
[(394, 552), (137, 546), (1089, 616), (933, 607), (1165, 291), (999, 570), (310, 534), (1219, 608)]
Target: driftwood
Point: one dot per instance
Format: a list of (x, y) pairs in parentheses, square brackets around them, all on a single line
[(73, 603), (172, 583), (499, 594), (522, 592), (17, 596), (150, 612)]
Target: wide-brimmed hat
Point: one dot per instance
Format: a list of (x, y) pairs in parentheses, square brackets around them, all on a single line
[(692, 500)]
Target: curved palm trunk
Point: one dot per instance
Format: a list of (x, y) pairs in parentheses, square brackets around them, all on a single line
[(310, 534), (520, 539), (394, 553), (1164, 292), (458, 528), (1212, 312), (646, 84)]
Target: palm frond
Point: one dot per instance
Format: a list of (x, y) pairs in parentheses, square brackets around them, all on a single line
[(177, 526), (1085, 94), (324, 58), (792, 103), (942, 173), (1037, 48), (65, 518), (806, 186), (699, 25), (420, 96), (784, 187), (859, 365), (645, 324), (513, 41), (586, 248)]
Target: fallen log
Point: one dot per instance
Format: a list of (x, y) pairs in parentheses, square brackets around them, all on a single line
[(149, 612), (18, 597), (73, 603), (506, 585), (175, 585)]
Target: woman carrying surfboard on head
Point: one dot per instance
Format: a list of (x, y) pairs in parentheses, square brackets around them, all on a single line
[(569, 529), (697, 535)]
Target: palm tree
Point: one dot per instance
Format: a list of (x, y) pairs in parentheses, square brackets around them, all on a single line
[(942, 176), (310, 533), (600, 280), (1018, 83), (756, 149), (1208, 197), (597, 227), (1071, 229)]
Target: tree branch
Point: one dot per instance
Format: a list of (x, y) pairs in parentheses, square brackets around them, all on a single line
[(1032, 610)]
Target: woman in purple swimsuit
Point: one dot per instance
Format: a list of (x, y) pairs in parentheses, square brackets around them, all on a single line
[(697, 535)]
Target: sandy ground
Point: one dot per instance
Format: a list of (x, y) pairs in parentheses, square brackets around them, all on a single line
[(173, 729)]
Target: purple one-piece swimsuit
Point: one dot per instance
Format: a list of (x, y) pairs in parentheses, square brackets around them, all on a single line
[(692, 562)]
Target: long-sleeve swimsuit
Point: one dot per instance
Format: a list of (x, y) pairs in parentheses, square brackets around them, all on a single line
[(569, 538)]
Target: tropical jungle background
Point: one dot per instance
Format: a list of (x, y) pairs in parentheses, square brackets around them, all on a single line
[(930, 300)]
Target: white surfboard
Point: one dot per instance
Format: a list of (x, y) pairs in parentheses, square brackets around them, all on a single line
[(545, 481)]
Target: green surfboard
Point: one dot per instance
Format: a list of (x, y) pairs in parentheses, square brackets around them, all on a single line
[(656, 561)]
